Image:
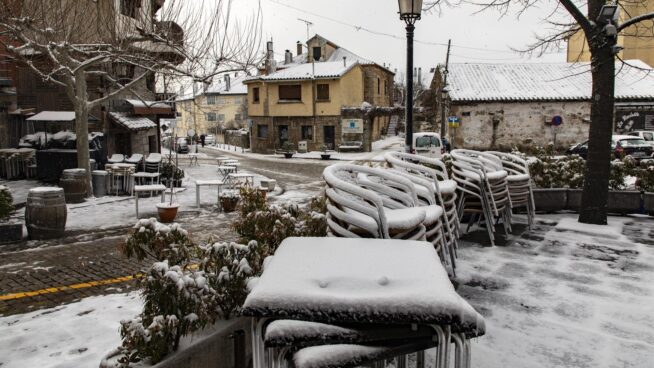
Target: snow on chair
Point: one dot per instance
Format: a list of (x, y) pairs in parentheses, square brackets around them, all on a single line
[(483, 187), (519, 181), (354, 211), (440, 186), (135, 159), (153, 162), (116, 158)]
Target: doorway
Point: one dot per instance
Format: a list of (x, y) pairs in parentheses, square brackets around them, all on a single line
[(282, 134), (329, 134), (123, 144)]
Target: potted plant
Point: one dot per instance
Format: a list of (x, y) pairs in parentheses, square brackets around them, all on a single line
[(288, 149), (229, 200), (171, 173), (9, 231), (324, 155)]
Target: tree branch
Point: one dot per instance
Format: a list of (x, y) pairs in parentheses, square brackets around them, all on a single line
[(636, 20)]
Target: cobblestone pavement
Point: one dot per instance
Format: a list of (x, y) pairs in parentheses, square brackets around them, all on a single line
[(44, 274)]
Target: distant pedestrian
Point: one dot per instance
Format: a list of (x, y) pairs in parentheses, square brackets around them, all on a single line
[(202, 140)]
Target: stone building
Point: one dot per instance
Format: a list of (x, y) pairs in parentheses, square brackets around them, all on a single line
[(219, 106), (500, 106), (301, 99)]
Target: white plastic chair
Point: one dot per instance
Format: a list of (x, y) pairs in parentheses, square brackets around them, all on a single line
[(519, 182), (116, 158), (136, 159)]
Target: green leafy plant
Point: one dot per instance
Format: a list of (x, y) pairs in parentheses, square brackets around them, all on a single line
[(6, 203), (161, 242), (288, 147), (169, 171)]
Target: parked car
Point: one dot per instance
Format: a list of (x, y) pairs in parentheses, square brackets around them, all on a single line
[(646, 135), (621, 145), (181, 146), (210, 140), (428, 144)]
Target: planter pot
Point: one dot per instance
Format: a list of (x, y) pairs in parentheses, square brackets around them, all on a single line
[(229, 203), (262, 192), (624, 201), (10, 232), (325, 156), (550, 199), (574, 200), (648, 203), (288, 155), (167, 212)]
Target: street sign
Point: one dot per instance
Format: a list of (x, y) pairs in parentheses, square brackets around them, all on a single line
[(453, 121), (352, 126), (190, 133), (556, 120)]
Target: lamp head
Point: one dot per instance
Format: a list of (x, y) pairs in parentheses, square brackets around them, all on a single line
[(607, 14), (410, 10)]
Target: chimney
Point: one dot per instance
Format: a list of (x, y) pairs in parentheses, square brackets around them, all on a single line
[(235, 74), (299, 48), (344, 61), (227, 83), (420, 76), (288, 57), (271, 66)]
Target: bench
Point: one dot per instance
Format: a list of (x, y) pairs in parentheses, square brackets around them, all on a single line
[(148, 188), (207, 183), (350, 145)]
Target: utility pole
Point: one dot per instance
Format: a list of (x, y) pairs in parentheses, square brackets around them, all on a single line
[(442, 91)]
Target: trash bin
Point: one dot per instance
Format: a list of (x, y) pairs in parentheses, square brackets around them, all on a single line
[(100, 182)]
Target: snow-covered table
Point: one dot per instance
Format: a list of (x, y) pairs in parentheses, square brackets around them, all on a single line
[(362, 281)]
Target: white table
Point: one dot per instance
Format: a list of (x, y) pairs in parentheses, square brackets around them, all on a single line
[(225, 171), (235, 178), (148, 188), (203, 183), (363, 281)]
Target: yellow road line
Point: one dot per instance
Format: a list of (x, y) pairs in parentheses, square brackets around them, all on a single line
[(83, 285)]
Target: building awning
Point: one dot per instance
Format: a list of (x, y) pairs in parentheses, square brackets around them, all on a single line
[(132, 122), (150, 107), (53, 116)]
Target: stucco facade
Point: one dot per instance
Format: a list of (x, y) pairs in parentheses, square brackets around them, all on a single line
[(504, 125), (211, 113)]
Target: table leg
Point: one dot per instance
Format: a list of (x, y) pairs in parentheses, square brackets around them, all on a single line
[(197, 196), (137, 206), (220, 207)]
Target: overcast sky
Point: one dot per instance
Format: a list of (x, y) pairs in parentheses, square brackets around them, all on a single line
[(484, 37)]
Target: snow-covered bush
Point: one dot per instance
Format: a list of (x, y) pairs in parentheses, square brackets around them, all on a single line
[(269, 225), (176, 303), (6, 203), (162, 242), (548, 171), (229, 267)]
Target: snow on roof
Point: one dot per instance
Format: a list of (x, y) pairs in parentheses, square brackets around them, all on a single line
[(323, 70), (53, 116), (132, 122), (148, 104), (542, 81), (363, 280), (220, 87)]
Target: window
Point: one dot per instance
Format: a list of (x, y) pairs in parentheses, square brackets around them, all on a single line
[(307, 133), (130, 7), (385, 88), (292, 92), (211, 100), (211, 116), (378, 86), (221, 117), (222, 101), (255, 95), (323, 92), (262, 131), (237, 117), (317, 51)]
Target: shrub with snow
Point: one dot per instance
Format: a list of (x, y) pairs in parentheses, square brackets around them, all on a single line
[(162, 242), (176, 303)]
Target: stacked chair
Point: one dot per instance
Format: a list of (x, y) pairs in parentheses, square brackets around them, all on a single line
[(482, 183), (136, 159), (153, 162), (433, 186), (116, 158), (519, 181)]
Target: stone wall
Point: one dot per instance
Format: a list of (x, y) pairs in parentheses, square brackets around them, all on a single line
[(270, 143), (499, 125), (140, 141)]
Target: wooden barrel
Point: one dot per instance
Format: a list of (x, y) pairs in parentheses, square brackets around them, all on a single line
[(74, 183), (45, 213)]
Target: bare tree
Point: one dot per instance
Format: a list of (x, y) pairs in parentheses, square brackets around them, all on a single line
[(601, 35), (116, 47)]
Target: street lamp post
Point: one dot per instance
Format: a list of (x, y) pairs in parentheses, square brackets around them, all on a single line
[(410, 11), (444, 92)]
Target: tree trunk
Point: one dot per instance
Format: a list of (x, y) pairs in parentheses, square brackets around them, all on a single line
[(595, 194), (82, 129)]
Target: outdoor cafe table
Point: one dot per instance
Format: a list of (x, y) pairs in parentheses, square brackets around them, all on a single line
[(347, 280), (235, 178)]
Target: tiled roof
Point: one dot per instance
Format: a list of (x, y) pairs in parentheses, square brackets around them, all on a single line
[(319, 70), (132, 122), (53, 116), (546, 81)]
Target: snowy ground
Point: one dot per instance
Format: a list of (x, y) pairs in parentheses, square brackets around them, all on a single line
[(378, 149), (562, 295)]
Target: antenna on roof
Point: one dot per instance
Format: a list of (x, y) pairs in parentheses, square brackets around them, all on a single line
[(309, 24)]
